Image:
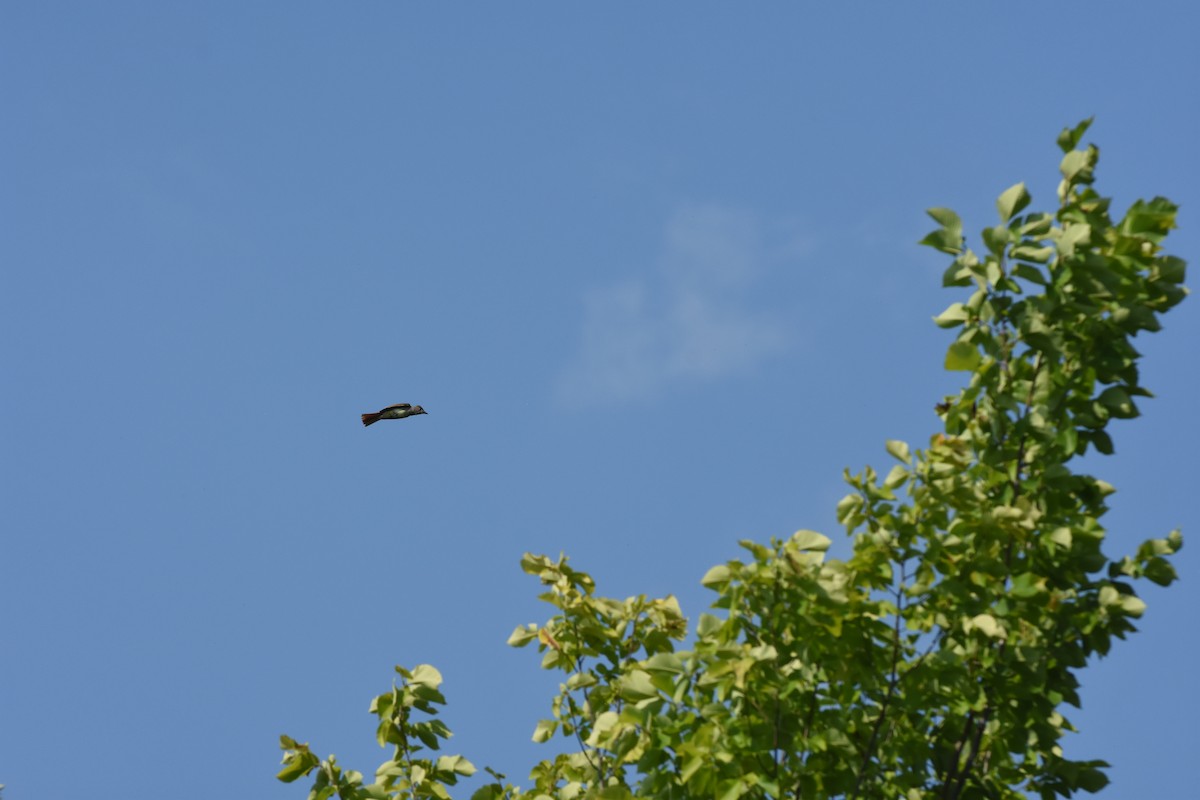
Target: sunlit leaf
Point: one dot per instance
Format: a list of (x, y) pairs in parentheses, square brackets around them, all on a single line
[(953, 316), (810, 540), (1012, 202)]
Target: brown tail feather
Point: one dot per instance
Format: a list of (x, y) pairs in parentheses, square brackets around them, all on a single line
[(370, 418)]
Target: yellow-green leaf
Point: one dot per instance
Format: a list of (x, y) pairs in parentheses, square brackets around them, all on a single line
[(955, 314), (810, 540), (986, 624), (962, 357), (1012, 201), (716, 577), (426, 675), (898, 450)]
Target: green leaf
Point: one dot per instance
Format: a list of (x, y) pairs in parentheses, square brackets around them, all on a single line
[(1069, 139), (1132, 605), (1171, 269), (708, 624), (1034, 253), (834, 579), (1028, 585), (636, 685), (295, 769), (603, 724), (427, 736), (581, 680), (810, 540), (716, 577), (899, 450), (996, 239), (962, 357), (1036, 225), (986, 624), (1160, 571), (731, 790), (1118, 402), (760, 551), (1149, 221), (1175, 540), (1061, 537), (1073, 237), (946, 218), (949, 237), (426, 675), (545, 730), (1092, 780), (664, 662), (1012, 202), (1102, 442), (691, 765), (847, 506), (298, 762), (456, 764), (896, 477), (523, 635), (614, 792), (953, 316), (1029, 273), (1074, 164)]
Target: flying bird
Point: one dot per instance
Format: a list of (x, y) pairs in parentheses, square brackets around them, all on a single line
[(398, 411)]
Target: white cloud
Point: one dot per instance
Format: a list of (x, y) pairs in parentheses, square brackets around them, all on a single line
[(690, 319)]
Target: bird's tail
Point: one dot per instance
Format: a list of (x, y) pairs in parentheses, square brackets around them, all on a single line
[(369, 418)]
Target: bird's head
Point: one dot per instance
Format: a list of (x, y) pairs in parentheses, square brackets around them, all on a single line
[(418, 410)]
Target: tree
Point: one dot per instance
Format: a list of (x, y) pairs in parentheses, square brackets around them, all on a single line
[(936, 660)]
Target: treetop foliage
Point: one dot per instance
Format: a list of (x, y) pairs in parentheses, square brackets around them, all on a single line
[(940, 659)]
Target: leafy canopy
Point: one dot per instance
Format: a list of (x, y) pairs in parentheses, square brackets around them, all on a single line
[(938, 659)]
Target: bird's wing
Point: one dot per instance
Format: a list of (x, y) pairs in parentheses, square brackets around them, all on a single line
[(401, 406)]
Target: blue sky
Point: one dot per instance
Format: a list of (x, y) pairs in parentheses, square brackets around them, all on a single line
[(650, 267)]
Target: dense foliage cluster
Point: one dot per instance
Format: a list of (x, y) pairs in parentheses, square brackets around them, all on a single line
[(938, 659)]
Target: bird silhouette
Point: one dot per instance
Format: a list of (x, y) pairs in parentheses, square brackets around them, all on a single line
[(397, 411)]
